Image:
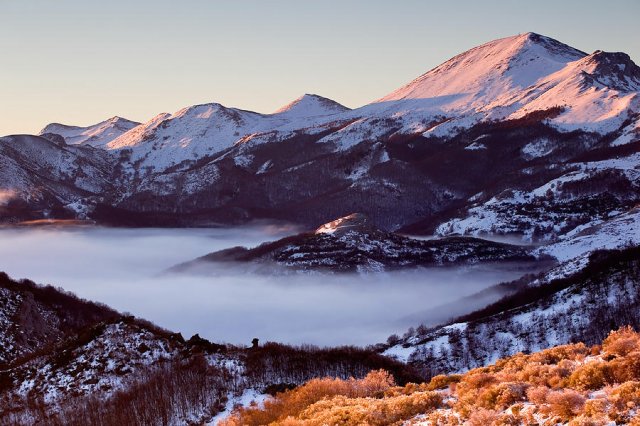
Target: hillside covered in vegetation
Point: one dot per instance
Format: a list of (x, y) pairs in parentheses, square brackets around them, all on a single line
[(572, 385)]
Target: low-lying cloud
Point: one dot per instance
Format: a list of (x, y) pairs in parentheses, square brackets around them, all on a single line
[(120, 267)]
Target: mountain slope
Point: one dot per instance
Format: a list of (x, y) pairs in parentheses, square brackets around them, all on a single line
[(33, 317), (203, 130), (310, 105), (46, 178), (583, 305), (474, 79)]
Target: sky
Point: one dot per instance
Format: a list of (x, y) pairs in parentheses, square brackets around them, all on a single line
[(82, 61)]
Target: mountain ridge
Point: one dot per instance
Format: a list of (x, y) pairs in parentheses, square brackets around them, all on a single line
[(528, 112)]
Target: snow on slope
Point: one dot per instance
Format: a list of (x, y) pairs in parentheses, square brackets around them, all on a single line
[(598, 92), (630, 133), (619, 232), (102, 364), (10, 302), (28, 160), (510, 78), (188, 134), (505, 79), (580, 309), (204, 130), (536, 211), (97, 135), (477, 77), (310, 105)]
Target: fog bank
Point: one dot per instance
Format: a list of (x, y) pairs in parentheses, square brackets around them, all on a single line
[(120, 267)]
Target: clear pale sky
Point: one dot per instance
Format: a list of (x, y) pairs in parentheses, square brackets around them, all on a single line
[(82, 61)]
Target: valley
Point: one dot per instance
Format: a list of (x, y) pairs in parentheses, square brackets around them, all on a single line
[(395, 263)]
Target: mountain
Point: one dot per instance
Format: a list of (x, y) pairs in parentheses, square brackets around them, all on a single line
[(477, 78), (102, 367), (97, 135), (202, 130), (521, 136), (351, 244)]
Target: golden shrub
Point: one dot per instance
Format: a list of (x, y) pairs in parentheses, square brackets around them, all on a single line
[(596, 408), (624, 369), (590, 376), (621, 342), (565, 403), (290, 403), (502, 395), (482, 417), (555, 355), (475, 380), (625, 400), (443, 418), (370, 411), (588, 421), (538, 394), (441, 381), (551, 385)]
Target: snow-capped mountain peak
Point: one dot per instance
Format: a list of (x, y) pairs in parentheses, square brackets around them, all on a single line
[(480, 75), (597, 93), (97, 135), (310, 105), (213, 111), (613, 69)]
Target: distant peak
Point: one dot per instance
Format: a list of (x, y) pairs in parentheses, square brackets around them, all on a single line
[(618, 58), (310, 105), (206, 110), (117, 118), (615, 69), (204, 106)]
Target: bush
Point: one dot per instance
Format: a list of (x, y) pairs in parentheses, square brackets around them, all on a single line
[(483, 417), (441, 381), (621, 342), (590, 376), (538, 394), (292, 402), (565, 403)]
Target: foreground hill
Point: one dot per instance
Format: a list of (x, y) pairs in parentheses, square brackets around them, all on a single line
[(353, 244), (65, 361), (34, 318), (566, 385)]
